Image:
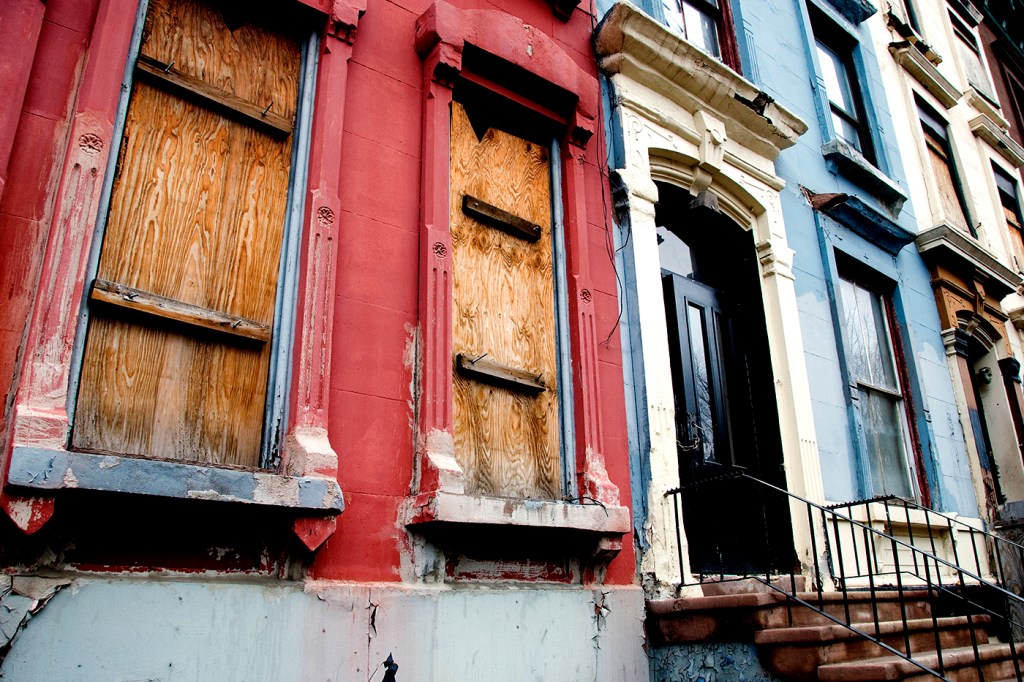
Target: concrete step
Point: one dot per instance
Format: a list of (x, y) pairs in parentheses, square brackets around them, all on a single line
[(796, 653), (959, 666)]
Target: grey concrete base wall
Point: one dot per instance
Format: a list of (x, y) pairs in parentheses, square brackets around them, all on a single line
[(708, 662), (135, 629)]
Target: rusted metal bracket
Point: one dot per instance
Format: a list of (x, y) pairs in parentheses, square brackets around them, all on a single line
[(502, 220), (488, 371), (140, 301)]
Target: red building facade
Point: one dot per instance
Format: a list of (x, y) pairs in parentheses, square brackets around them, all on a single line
[(322, 296)]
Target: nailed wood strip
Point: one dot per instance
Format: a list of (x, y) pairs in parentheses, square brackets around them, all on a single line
[(184, 84), (506, 440), (503, 220), (160, 306), (487, 370)]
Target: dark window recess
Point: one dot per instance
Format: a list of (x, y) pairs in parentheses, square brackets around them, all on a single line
[(707, 24), (1016, 91), (835, 50), (905, 10), (1009, 198), (940, 155)]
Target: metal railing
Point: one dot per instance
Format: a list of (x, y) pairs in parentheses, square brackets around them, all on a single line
[(862, 559)]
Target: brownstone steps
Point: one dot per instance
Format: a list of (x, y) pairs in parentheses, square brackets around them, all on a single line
[(960, 666), (797, 643), (796, 653)]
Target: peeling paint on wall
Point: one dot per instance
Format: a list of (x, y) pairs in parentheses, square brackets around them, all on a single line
[(708, 662), (21, 597)]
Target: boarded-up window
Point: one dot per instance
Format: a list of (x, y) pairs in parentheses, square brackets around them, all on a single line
[(506, 406), (970, 57), (1009, 197), (940, 155), (182, 308)]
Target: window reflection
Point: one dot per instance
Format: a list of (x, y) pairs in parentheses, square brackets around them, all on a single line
[(871, 363)]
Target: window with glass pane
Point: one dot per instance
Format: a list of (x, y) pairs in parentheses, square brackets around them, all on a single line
[(941, 157), (1009, 198), (872, 366), (703, 385), (840, 96), (834, 50), (696, 21)]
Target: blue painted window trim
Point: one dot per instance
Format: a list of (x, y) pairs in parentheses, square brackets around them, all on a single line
[(566, 399), (833, 237), (871, 174), (52, 470)]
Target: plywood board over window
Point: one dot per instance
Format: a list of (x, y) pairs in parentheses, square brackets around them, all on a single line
[(195, 225), (506, 411)]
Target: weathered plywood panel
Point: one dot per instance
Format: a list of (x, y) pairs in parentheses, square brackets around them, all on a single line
[(196, 216), (506, 441), (251, 62), (198, 208)]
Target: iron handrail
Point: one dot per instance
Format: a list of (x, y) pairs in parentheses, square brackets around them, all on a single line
[(840, 579), (997, 543)]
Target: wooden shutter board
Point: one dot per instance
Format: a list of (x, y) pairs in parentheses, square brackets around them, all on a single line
[(144, 302), (198, 209), (254, 62), (196, 215), (152, 393), (262, 118)]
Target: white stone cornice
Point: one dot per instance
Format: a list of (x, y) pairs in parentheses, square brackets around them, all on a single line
[(989, 130), (629, 42), (917, 65), (983, 106)]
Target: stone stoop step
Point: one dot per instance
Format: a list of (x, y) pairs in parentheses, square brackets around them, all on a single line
[(796, 653), (996, 660)]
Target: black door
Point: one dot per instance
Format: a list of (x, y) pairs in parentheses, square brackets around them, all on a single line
[(726, 414), (698, 328)]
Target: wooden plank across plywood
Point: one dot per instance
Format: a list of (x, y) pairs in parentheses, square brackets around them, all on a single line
[(260, 116), (169, 309), (503, 220), (487, 370), (506, 439)]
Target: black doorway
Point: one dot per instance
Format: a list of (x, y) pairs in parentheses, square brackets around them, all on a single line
[(726, 413)]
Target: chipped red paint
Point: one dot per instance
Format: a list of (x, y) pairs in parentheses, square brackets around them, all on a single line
[(373, 318)]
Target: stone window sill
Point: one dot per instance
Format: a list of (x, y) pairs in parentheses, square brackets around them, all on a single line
[(52, 470), (990, 131), (852, 165), (457, 512)]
